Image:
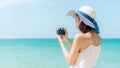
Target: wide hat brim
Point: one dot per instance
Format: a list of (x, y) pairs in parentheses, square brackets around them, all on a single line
[(73, 13)]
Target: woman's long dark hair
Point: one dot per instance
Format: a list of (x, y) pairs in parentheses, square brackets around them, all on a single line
[(85, 28)]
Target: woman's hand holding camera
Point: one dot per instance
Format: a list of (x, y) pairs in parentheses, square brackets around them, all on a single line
[(62, 34), (65, 37)]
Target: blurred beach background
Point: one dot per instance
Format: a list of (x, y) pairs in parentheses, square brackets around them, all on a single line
[(46, 53), (27, 30)]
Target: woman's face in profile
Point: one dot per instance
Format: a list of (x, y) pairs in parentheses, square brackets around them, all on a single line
[(77, 20)]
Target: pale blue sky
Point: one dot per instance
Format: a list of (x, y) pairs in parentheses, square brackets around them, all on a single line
[(40, 18)]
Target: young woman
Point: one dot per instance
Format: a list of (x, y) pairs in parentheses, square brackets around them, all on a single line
[(86, 47)]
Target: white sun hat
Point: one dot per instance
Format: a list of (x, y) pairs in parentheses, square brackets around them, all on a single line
[(87, 15)]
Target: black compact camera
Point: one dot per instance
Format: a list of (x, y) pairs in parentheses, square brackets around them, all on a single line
[(61, 31)]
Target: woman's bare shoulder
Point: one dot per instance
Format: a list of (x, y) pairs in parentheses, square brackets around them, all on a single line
[(81, 37), (83, 41)]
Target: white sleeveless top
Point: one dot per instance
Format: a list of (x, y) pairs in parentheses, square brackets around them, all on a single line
[(88, 57)]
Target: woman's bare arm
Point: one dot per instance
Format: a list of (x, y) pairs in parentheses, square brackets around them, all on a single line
[(65, 37), (69, 42)]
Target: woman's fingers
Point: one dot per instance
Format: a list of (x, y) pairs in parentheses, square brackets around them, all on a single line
[(65, 29), (62, 37), (58, 36), (66, 33)]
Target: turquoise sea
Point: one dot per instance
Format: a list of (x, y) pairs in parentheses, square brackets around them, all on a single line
[(46, 53)]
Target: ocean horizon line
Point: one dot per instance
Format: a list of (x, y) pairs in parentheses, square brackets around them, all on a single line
[(41, 38)]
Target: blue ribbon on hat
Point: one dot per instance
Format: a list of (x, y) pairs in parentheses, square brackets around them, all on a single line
[(90, 19)]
